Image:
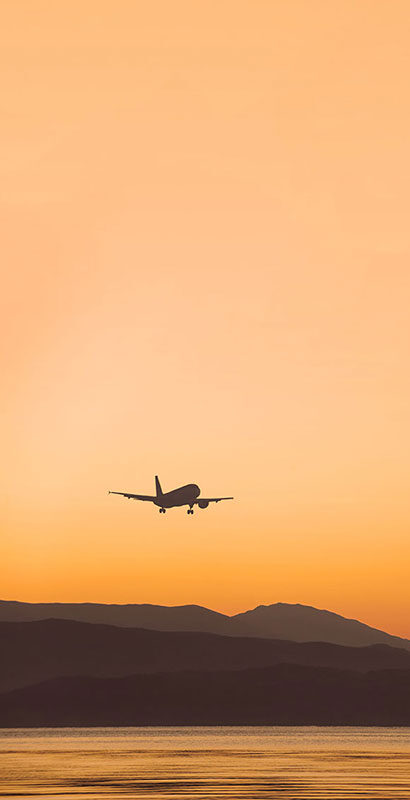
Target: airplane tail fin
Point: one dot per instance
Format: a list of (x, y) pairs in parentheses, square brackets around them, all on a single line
[(158, 486)]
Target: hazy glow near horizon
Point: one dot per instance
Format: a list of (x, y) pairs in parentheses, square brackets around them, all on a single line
[(206, 276)]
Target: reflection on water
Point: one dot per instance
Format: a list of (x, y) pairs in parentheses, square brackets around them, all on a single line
[(287, 763)]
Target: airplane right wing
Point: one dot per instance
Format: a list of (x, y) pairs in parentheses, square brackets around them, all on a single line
[(212, 499), (135, 496)]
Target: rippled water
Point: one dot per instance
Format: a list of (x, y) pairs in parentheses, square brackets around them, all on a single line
[(286, 763)]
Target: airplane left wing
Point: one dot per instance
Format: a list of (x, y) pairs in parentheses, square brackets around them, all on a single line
[(212, 499), (135, 496)]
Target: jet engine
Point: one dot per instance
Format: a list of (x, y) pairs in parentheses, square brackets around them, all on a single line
[(203, 503)]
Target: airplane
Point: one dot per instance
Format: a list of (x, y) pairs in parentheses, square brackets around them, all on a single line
[(183, 496)]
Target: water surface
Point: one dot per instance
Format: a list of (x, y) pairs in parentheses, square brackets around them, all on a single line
[(225, 763)]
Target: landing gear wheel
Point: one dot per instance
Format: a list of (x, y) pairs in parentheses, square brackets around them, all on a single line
[(190, 511), (162, 511)]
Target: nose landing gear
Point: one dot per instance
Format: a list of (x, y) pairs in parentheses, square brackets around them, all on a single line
[(162, 510), (190, 511)]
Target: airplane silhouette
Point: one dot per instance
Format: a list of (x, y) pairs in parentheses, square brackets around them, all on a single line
[(183, 496)]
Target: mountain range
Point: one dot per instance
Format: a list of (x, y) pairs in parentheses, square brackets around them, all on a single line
[(296, 622), (37, 651), (96, 664)]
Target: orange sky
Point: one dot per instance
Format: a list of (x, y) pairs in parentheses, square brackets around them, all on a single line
[(205, 249)]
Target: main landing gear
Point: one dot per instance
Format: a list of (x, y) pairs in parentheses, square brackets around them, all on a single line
[(190, 511), (162, 510)]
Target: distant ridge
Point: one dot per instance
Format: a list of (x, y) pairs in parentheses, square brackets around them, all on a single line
[(129, 615), (293, 622)]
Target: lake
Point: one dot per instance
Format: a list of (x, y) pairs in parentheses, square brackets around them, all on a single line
[(225, 763)]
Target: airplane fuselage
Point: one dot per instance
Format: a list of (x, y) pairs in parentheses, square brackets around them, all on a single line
[(184, 496)]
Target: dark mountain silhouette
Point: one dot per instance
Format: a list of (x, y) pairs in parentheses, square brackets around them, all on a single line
[(278, 621), (161, 618), (286, 694), (305, 623), (36, 651)]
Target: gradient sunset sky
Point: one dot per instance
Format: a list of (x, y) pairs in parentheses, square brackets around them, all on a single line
[(205, 249)]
